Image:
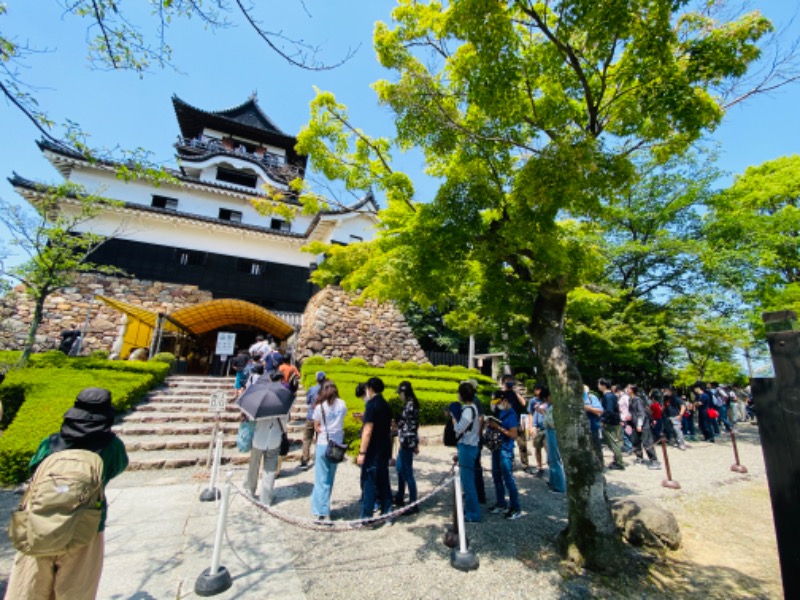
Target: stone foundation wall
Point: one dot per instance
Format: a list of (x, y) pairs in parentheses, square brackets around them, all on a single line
[(333, 326), (70, 305)]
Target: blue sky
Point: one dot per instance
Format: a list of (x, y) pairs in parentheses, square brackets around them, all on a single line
[(221, 69)]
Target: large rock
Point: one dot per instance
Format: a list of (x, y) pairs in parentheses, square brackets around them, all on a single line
[(644, 523)]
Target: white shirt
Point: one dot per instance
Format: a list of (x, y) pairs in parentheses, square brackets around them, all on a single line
[(267, 435), (334, 421)]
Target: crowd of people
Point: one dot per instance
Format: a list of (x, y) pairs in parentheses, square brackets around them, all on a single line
[(622, 417)]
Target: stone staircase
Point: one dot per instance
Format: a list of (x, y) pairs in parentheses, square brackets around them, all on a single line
[(172, 428)]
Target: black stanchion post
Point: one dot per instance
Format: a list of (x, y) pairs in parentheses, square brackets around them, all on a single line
[(668, 482)]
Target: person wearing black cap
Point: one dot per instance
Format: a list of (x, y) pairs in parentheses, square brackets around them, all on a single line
[(75, 574)]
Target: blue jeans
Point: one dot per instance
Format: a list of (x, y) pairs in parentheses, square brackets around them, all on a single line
[(466, 464), (687, 423), (324, 474), (558, 480), (375, 484), (503, 477), (405, 474), (723, 417)]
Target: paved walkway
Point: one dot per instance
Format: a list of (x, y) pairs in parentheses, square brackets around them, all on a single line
[(159, 537)]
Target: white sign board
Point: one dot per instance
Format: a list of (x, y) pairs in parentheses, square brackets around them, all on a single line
[(218, 401), (226, 343)]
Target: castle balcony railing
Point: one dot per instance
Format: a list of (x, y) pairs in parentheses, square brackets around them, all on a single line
[(205, 145)]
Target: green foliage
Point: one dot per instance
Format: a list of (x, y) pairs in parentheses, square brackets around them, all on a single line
[(357, 362), (410, 366), (99, 354), (336, 361), (50, 392), (165, 357), (393, 365), (50, 238), (435, 389), (426, 367), (314, 360)]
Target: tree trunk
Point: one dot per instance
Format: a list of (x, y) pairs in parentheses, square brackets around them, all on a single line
[(591, 538), (38, 310)]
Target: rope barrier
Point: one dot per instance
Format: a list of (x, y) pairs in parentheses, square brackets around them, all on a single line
[(341, 526)]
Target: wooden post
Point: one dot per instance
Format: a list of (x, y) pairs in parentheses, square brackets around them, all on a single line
[(777, 404)]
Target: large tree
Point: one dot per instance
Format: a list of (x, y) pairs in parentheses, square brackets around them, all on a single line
[(529, 113)]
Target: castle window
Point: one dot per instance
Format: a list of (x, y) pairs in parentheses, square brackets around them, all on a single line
[(164, 202), (280, 225), (237, 177), (245, 265), (234, 216), (190, 258)]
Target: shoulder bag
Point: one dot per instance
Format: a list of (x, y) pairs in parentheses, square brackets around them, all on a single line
[(335, 452)]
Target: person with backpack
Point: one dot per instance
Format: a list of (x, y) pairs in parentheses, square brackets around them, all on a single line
[(642, 433), (507, 423), (704, 406), (82, 457), (239, 365), (611, 422), (467, 430)]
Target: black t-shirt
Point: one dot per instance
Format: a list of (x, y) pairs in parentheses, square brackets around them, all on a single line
[(378, 413), (673, 405), (611, 414), (513, 400)]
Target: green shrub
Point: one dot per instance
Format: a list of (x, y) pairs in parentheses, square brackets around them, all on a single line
[(12, 396), (165, 357), (426, 367), (357, 362), (393, 365), (459, 369), (521, 377), (100, 354), (410, 366), (336, 361), (352, 434), (51, 358), (50, 392), (314, 360), (442, 367)]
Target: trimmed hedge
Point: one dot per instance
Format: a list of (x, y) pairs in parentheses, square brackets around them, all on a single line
[(49, 391), (435, 387)]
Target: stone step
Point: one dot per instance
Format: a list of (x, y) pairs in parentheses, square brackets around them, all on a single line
[(178, 459), (124, 429), (189, 407), (184, 428), (155, 443), (181, 417)]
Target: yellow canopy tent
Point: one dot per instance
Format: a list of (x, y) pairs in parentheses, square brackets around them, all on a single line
[(194, 320)]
